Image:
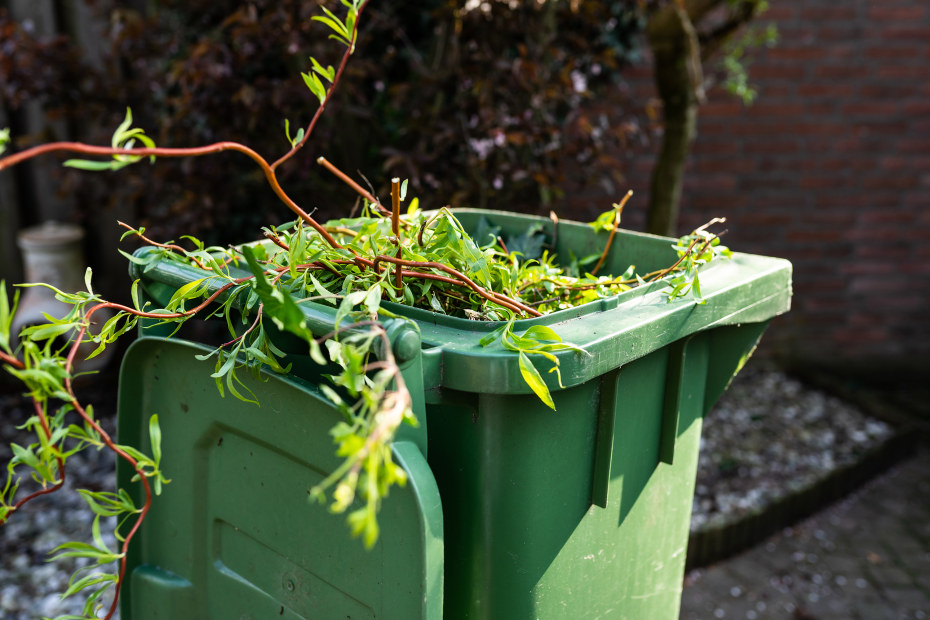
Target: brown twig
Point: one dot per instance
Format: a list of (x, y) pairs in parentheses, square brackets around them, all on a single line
[(342, 176), (618, 211), (169, 246), (275, 239), (217, 147), (460, 279), (43, 421), (395, 227), (319, 112)]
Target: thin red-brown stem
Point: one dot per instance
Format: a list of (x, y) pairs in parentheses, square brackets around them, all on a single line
[(503, 245), (661, 273), (319, 112), (61, 465), (258, 318), (399, 398), (275, 239), (168, 246), (395, 227), (613, 231), (105, 437), (217, 147), (361, 191), (12, 361), (497, 298)]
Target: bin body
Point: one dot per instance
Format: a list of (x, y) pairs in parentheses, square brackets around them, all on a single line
[(582, 512)]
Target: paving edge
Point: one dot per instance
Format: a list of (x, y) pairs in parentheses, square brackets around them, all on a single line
[(718, 542)]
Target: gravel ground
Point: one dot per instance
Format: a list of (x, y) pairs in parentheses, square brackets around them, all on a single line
[(768, 434), (30, 585)]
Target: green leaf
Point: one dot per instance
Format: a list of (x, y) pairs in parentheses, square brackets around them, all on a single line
[(48, 331), (87, 275), (121, 129), (76, 585), (542, 333), (329, 73), (7, 311), (315, 85), (184, 292), (535, 381), (373, 299), (136, 301), (86, 164), (334, 23), (495, 335), (348, 303), (155, 437)]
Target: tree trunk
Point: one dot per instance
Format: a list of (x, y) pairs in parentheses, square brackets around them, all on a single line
[(676, 89)]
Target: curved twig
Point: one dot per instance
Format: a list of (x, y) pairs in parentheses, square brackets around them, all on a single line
[(613, 231)]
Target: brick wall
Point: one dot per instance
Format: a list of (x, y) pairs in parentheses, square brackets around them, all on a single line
[(830, 169)]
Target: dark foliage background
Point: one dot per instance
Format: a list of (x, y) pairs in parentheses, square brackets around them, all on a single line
[(478, 107)]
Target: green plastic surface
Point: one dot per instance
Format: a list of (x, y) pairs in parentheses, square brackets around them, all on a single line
[(578, 513), (234, 535)]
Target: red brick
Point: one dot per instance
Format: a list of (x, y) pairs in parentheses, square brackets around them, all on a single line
[(773, 92), (904, 72), (764, 72), (820, 89), (868, 284), (722, 107), (873, 235), (785, 53), (715, 146), (781, 109), (777, 145), (711, 182), (917, 108), (920, 200), (896, 52), (838, 12), (897, 163), (872, 108), (888, 181), (900, 13), (866, 268), (838, 200), (838, 72), (817, 236), (899, 33), (886, 216), (840, 163), (824, 181), (887, 91), (858, 337), (780, 12), (729, 165), (914, 145), (848, 143)]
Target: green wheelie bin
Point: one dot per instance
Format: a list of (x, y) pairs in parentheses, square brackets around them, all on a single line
[(512, 511)]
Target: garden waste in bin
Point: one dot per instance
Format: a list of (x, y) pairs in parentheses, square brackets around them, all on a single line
[(512, 511)]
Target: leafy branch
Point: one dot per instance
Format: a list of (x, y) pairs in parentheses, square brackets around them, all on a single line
[(426, 260)]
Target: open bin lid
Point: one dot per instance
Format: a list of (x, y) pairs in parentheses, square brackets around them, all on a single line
[(235, 526)]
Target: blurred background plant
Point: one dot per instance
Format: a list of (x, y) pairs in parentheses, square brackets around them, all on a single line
[(478, 104)]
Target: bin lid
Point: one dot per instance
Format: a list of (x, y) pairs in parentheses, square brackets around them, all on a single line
[(234, 535)]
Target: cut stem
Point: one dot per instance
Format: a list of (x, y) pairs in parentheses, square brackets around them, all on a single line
[(618, 211), (395, 227)]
